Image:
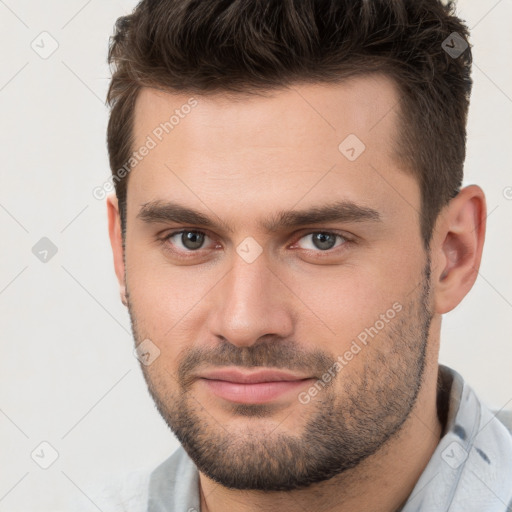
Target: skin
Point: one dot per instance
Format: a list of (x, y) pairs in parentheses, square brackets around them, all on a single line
[(297, 307)]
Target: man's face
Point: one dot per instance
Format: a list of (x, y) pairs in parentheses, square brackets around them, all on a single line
[(344, 296)]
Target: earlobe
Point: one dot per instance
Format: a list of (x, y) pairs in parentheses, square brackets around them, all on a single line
[(460, 234), (116, 242)]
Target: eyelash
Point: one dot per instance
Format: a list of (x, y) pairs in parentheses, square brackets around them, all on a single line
[(345, 241)]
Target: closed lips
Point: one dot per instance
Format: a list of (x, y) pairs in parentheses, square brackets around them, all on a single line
[(252, 378)]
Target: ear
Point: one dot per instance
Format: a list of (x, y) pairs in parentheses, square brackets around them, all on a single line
[(457, 247), (116, 241)]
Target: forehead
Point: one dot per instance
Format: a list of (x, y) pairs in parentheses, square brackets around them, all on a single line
[(366, 105), (289, 144)]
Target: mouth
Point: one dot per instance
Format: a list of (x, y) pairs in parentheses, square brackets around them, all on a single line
[(255, 388)]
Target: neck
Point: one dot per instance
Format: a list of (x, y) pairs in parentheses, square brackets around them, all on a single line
[(381, 483)]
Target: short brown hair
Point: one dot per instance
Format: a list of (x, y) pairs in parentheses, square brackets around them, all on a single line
[(246, 46)]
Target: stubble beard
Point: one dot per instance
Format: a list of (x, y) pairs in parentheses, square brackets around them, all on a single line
[(347, 425)]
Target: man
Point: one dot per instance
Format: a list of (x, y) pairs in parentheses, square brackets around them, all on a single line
[(288, 229)]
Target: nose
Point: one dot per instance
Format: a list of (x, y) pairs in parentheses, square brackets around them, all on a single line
[(251, 302)]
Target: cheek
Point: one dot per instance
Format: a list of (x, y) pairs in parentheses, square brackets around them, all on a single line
[(166, 300), (343, 303)]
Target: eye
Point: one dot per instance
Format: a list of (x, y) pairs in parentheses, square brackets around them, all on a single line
[(189, 240), (322, 240)]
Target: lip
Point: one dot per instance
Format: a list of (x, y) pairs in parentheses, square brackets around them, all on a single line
[(252, 388), (258, 376)]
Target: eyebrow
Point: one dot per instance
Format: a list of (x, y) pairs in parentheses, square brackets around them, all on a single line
[(340, 211)]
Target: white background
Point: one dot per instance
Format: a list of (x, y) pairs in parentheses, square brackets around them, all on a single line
[(67, 373)]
